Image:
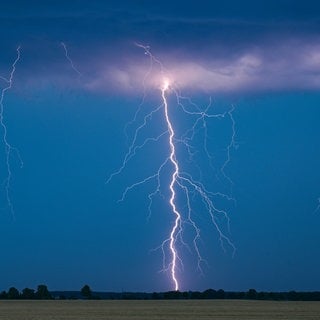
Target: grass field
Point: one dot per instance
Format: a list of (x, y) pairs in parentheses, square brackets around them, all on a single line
[(161, 309)]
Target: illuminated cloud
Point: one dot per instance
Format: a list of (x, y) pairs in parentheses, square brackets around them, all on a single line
[(288, 66), (202, 54)]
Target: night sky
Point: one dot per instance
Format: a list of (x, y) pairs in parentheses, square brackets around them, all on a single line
[(71, 121)]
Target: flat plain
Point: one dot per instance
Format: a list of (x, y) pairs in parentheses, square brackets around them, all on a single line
[(158, 310)]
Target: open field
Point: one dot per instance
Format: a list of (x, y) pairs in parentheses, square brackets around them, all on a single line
[(161, 309)]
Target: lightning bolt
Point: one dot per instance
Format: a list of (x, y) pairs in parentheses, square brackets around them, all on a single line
[(172, 189), (181, 184), (70, 60), (9, 149)]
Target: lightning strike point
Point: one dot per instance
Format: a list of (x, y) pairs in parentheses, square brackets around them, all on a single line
[(165, 87)]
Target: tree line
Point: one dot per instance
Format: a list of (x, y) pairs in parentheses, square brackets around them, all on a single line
[(42, 293), (251, 294)]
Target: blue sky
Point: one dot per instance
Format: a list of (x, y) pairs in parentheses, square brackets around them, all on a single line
[(70, 229)]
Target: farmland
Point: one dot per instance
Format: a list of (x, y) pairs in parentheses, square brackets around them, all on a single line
[(156, 310)]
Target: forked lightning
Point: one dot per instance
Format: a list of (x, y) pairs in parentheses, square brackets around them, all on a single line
[(181, 183), (9, 149)]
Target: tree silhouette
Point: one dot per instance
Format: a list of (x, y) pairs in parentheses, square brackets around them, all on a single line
[(86, 292), (13, 293), (3, 295), (28, 293), (252, 294), (43, 292)]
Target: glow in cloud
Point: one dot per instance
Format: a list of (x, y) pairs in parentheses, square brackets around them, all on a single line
[(291, 66), (264, 67)]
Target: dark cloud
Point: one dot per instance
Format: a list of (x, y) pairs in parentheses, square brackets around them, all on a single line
[(214, 42), (247, 9)]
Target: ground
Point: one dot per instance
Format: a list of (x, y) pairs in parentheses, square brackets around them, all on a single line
[(161, 309)]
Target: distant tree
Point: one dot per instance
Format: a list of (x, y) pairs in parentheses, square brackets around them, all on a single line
[(313, 296), (155, 296), (220, 294), (195, 295), (273, 296), (86, 292), (130, 296), (28, 293), (13, 293), (43, 292), (209, 294), (262, 295), (185, 295), (172, 295), (3, 295), (252, 294)]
